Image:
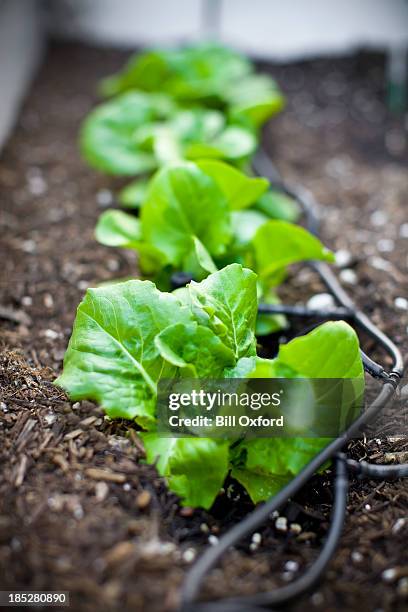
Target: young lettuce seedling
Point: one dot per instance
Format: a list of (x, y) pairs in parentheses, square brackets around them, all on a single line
[(128, 336), (138, 132), (205, 74), (197, 217)]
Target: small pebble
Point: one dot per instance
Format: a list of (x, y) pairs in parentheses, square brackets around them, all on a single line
[(213, 540), (16, 545), (401, 303), (390, 575), (402, 587), (295, 528), (281, 523), (76, 406), (189, 555), (143, 500), (380, 264), (48, 300), (186, 511), (398, 525), (37, 185), (104, 198), (28, 246), (385, 245), (343, 258), (127, 486), (379, 218), (27, 300), (101, 491), (256, 538), (204, 528), (155, 547), (404, 230), (113, 265), (291, 566), (367, 507), (348, 276), (356, 556), (51, 334), (83, 285), (78, 512), (50, 418), (321, 301), (317, 599)]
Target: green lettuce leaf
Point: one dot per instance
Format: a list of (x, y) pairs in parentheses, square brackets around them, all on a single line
[(278, 244), (277, 205), (198, 262), (195, 349), (234, 143), (254, 99), (270, 323), (195, 468), (240, 190), (145, 71), (197, 125), (265, 465), (226, 302), (245, 224), (260, 487), (107, 138), (196, 73), (118, 229), (184, 202), (166, 145), (329, 351), (112, 357), (134, 194)]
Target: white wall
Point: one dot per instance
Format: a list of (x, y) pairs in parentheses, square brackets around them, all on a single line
[(21, 45), (279, 29), (126, 22), (297, 28)]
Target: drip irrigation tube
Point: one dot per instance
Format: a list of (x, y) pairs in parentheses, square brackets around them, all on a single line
[(345, 309)]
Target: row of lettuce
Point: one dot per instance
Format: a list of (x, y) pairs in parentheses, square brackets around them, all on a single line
[(184, 125)]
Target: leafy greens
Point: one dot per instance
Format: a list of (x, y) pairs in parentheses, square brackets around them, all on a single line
[(128, 336)]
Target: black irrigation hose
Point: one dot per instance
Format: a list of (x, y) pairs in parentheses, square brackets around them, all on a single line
[(346, 309), (303, 311), (211, 556), (309, 578), (363, 469)]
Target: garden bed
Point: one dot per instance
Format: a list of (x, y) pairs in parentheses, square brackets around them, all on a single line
[(119, 539)]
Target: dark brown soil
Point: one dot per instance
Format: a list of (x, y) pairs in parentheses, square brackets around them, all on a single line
[(117, 539)]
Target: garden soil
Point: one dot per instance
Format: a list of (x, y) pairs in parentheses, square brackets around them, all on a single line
[(79, 510)]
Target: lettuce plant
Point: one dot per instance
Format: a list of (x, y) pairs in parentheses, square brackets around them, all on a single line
[(198, 217), (128, 336), (207, 74), (200, 101), (206, 203), (137, 132)]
